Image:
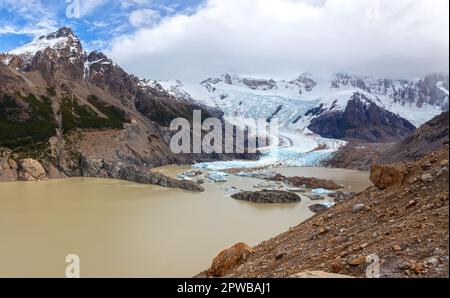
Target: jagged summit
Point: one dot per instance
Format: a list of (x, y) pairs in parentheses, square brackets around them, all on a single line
[(62, 39), (62, 32)]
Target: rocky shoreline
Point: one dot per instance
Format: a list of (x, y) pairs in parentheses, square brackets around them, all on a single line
[(32, 170), (402, 222)]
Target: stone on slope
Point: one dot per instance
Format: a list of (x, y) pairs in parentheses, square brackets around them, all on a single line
[(386, 176), (228, 259)]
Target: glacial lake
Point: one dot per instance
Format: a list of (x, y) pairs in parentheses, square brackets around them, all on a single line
[(123, 229)]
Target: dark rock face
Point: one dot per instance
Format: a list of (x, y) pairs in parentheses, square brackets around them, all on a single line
[(268, 197), (308, 182), (362, 120), (104, 169), (429, 137)]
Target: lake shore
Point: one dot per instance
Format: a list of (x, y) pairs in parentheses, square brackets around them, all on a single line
[(125, 229)]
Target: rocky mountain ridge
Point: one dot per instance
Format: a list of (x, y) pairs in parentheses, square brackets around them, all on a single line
[(59, 105), (321, 105), (427, 138)]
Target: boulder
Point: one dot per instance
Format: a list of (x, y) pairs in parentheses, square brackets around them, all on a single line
[(358, 208), (31, 170), (384, 177), (229, 259), (342, 196), (268, 197), (317, 208)]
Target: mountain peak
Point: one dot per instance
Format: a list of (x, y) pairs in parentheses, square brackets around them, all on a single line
[(58, 40), (62, 32)]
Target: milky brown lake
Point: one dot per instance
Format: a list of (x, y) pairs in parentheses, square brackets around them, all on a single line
[(123, 229)]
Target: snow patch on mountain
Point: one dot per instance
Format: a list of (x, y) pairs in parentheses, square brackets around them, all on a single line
[(39, 45)]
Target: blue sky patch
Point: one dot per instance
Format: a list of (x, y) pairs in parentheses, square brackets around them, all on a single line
[(99, 21)]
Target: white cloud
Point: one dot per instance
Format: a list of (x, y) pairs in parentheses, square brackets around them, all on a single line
[(144, 17), (134, 3), (87, 7), (285, 37), (39, 19)]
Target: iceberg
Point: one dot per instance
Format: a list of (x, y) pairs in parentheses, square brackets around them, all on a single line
[(321, 191), (217, 176)]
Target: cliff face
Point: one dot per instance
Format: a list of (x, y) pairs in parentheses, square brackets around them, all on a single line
[(361, 120)]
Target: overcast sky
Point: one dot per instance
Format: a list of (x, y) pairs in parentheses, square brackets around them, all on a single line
[(393, 38), (194, 39)]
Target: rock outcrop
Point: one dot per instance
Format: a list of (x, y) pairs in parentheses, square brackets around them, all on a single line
[(307, 182), (362, 120), (31, 170), (105, 169), (268, 197), (228, 259)]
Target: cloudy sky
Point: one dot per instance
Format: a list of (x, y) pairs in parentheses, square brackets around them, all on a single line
[(195, 39)]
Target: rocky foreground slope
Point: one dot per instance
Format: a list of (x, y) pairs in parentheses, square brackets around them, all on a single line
[(402, 221)]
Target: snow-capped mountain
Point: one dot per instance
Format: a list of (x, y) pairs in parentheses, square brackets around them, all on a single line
[(62, 44), (50, 89), (315, 112), (294, 101)]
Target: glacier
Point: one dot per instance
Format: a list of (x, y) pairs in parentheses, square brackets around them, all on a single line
[(241, 98)]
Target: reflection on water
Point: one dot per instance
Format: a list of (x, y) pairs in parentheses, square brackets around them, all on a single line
[(125, 229)]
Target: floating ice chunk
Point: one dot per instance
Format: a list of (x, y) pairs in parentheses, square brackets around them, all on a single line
[(321, 191), (217, 176), (316, 197), (265, 185), (189, 175), (229, 189)]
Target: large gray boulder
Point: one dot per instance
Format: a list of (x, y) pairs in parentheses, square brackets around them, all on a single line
[(268, 197)]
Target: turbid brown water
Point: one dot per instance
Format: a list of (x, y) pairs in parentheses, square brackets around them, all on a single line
[(122, 229)]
